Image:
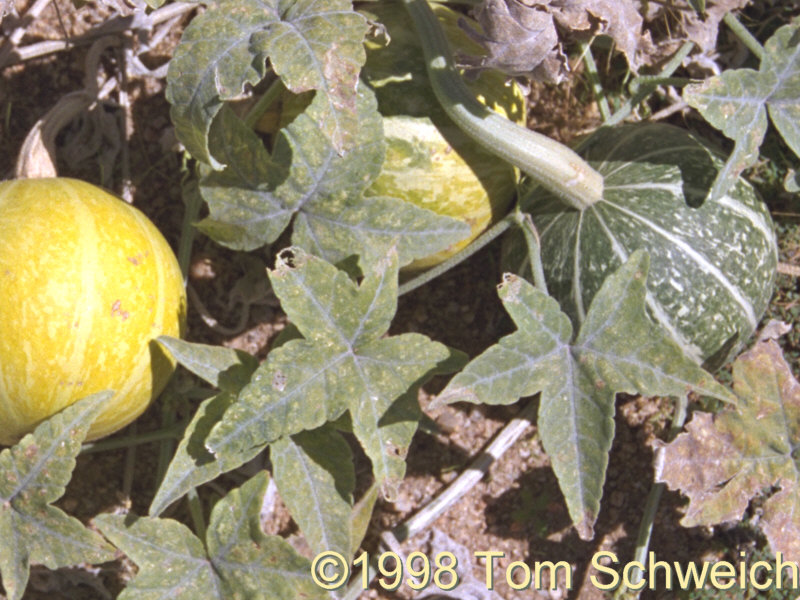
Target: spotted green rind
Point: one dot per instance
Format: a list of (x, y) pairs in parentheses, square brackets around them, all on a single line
[(713, 263), (88, 281), (429, 160)]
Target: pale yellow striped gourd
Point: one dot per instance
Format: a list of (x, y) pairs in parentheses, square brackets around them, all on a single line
[(86, 284)]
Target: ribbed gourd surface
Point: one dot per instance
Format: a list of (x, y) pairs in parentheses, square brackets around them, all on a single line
[(712, 263), (87, 282)]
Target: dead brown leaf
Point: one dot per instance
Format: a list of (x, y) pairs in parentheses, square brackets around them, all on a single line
[(724, 461), (521, 40)]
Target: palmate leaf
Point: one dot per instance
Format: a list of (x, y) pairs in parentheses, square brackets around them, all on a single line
[(254, 199), (311, 45), (237, 560), (343, 363), (618, 349), (737, 103), (35, 473), (192, 464), (723, 461)]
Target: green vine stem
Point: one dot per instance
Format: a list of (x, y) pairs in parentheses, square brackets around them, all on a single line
[(594, 80), (653, 498), (274, 90), (645, 90), (553, 165), (485, 238), (170, 433), (744, 35), (196, 512), (525, 223)]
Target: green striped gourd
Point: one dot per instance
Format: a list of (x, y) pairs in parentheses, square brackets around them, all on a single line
[(88, 283), (712, 263)]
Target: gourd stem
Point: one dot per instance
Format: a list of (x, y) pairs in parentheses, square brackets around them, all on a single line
[(485, 238), (653, 498), (645, 90), (551, 164), (744, 35)]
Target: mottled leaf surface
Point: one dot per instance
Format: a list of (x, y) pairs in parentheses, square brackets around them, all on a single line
[(237, 560), (618, 349), (35, 474), (737, 103), (344, 361), (310, 44), (723, 461), (192, 464), (255, 198), (315, 476), (224, 368)]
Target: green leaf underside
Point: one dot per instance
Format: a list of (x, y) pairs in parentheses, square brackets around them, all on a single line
[(723, 461), (315, 477), (35, 473), (310, 44), (255, 198), (737, 103), (713, 262), (237, 561), (224, 368), (344, 362), (618, 349)]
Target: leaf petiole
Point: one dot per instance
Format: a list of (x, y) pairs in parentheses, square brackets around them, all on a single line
[(653, 498), (485, 238)]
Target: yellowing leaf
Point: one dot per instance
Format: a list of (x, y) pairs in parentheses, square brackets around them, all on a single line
[(723, 461)]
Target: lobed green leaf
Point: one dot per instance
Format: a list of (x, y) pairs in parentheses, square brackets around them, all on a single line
[(237, 560), (618, 349), (254, 199), (311, 45), (315, 476), (737, 103), (346, 364), (35, 473)]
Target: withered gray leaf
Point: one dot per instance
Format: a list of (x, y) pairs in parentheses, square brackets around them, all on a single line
[(520, 40), (618, 19), (686, 24), (521, 36), (724, 461)]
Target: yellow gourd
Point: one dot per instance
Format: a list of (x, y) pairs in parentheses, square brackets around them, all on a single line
[(86, 284)]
